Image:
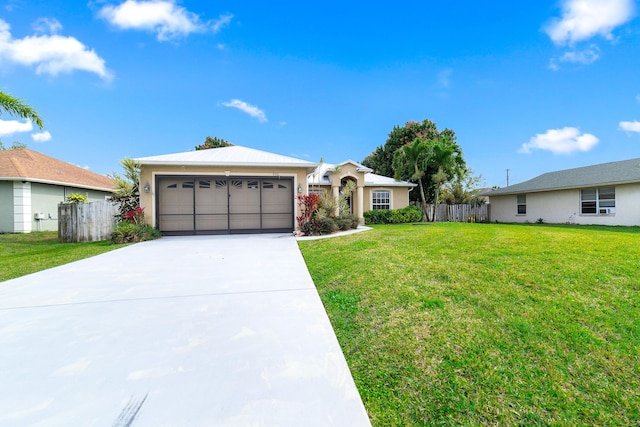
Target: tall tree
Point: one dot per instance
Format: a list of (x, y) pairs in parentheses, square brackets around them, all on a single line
[(381, 159), (412, 158), (446, 159), (214, 142), (430, 163), (17, 107)]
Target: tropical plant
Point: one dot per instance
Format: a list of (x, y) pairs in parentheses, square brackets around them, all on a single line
[(127, 187), (413, 157), (77, 198), (381, 159), (17, 107)]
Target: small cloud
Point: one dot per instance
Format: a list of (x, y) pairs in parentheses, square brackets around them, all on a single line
[(163, 17), (251, 110), (47, 26), (586, 56), (223, 21), (9, 127), (633, 126), (584, 19), (561, 141), (50, 54), (42, 136), (300, 156)]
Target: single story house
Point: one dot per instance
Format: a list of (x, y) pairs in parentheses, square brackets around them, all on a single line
[(372, 191), (240, 190), (33, 184), (606, 194)]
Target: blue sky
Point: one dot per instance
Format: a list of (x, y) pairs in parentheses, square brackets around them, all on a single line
[(527, 86)]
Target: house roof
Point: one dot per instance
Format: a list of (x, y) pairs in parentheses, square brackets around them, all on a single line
[(228, 156), (28, 165), (321, 176), (622, 172)]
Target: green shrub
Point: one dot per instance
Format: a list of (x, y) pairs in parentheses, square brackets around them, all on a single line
[(127, 232), (77, 198), (393, 216), (344, 224)]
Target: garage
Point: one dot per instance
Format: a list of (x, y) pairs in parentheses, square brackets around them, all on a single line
[(221, 204), (222, 190)]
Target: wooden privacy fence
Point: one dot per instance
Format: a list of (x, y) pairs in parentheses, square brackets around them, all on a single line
[(460, 213), (86, 222)]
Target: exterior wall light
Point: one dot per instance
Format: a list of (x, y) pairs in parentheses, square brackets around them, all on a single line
[(147, 187), (299, 188)]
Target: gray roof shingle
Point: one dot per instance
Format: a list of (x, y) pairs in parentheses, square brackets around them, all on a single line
[(622, 172)]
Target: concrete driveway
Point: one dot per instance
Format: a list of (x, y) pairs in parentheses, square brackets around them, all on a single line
[(181, 331)]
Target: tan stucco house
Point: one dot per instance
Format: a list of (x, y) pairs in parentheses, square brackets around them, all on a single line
[(33, 184), (242, 190), (605, 194), (372, 191)]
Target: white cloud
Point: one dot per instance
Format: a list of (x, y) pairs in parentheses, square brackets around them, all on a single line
[(584, 19), (42, 136), (221, 22), (561, 141), (9, 127), (164, 17), (633, 126), (251, 110), (50, 54), (47, 26), (586, 56)]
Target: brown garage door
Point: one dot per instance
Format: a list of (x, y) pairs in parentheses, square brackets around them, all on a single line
[(209, 205)]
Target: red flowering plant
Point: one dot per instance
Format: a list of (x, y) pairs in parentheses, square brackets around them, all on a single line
[(309, 204), (135, 216)]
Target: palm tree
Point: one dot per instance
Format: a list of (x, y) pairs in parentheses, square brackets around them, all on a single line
[(447, 161), (127, 188), (414, 157), (16, 107)]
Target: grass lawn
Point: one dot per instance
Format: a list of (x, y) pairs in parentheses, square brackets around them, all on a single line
[(26, 253), (487, 324)]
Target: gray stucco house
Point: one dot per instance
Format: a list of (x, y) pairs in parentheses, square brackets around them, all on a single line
[(605, 194), (33, 184)]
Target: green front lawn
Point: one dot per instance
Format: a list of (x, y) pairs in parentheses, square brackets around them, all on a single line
[(26, 253), (487, 324)]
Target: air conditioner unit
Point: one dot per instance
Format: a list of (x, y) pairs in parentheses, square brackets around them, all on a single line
[(39, 215), (608, 211)]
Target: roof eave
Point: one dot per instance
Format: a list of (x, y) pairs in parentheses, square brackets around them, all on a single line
[(61, 183), (571, 187)]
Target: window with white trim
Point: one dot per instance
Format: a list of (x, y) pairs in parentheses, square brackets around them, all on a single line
[(381, 199), (598, 201), (521, 204)]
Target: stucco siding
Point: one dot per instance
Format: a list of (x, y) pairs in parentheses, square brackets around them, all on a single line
[(45, 199), (6, 207), (563, 206), (399, 197), (149, 173)]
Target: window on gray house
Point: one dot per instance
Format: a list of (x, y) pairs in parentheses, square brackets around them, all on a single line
[(598, 201), (521, 204)]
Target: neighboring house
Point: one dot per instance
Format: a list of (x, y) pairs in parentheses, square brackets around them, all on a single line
[(32, 185), (372, 191), (240, 190), (607, 194)]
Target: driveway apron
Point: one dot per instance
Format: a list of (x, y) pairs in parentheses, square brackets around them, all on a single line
[(180, 331)]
